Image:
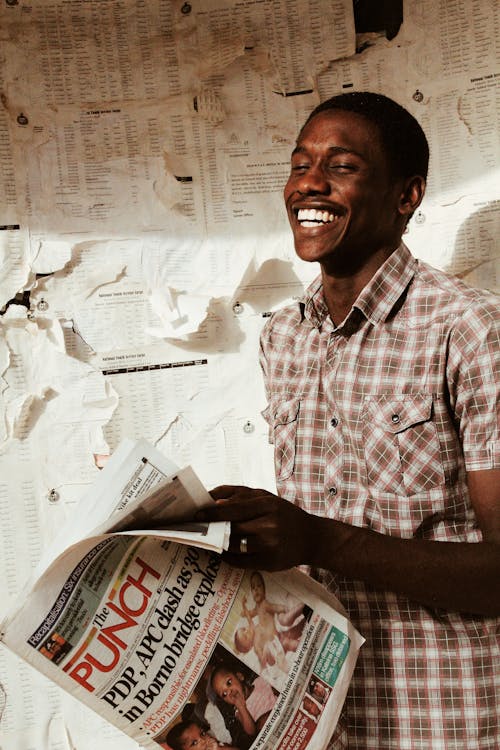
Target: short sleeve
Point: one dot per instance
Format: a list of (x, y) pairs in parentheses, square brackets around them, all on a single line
[(474, 383)]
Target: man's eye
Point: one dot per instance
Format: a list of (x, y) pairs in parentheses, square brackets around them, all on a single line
[(298, 168), (341, 167)]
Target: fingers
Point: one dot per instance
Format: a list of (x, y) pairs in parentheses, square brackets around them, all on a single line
[(226, 491), (241, 541), (235, 503), (228, 510), (260, 521), (251, 547)]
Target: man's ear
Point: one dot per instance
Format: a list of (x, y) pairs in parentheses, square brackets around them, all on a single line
[(411, 195)]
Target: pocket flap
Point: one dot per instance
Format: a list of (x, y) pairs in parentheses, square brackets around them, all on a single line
[(284, 412), (398, 414)]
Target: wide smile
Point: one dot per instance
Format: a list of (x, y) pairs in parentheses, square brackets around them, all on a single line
[(314, 217), (318, 218)]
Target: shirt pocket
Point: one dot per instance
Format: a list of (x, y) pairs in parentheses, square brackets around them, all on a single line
[(401, 443), (283, 418)]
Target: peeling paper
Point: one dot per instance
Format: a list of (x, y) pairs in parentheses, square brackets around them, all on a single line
[(215, 36), (115, 316), (201, 448), (58, 738), (65, 291), (4, 363), (179, 313), (94, 140), (209, 432), (29, 379), (218, 43), (156, 396), (107, 300), (15, 262), (96, 170), (215, 269), (298, 60), (19, 411), (179, 190), (177, 262), (52, 255), (80, 414), (58, 404)]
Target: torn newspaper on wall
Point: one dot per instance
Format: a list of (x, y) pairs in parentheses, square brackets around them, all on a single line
[(157, 634)]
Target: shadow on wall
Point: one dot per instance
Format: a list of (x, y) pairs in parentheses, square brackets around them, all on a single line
[(272, 285), (476, 256)]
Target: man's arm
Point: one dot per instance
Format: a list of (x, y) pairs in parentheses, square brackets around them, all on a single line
[(458, 576)]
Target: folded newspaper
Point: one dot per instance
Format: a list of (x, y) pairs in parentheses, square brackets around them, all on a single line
[(157, 634)]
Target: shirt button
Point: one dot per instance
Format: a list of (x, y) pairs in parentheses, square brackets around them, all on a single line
[(332, 491), (396, 419), (334, 421)]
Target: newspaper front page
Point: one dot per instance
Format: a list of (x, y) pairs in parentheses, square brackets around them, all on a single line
[(172, 645)]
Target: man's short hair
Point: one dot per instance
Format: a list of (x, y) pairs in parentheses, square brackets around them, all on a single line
[(402, 138)]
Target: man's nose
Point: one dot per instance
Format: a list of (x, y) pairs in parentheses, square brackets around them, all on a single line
[(313, 181)]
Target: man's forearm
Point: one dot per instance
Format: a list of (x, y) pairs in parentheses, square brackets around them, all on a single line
[(458, 576)]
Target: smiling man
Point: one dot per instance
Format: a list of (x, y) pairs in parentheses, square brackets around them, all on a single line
[(382, 387)]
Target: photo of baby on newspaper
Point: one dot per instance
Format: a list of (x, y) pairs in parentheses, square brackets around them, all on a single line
[(227, 709), (246, 672), (266, 630)]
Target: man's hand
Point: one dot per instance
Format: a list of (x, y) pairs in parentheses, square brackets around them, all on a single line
[(459, 576), (278, 533)]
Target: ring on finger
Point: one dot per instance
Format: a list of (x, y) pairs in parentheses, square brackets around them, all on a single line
[(243, 545)]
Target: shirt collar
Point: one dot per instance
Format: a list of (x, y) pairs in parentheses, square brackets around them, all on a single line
[(376, 299)]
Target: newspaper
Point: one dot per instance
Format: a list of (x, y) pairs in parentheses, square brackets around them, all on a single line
[(157, 634)]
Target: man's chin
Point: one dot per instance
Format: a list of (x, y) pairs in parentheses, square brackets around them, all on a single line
[(319, 248), (311, 253), (335, 261)]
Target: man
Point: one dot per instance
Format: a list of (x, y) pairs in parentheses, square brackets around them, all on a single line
[(383, 389)]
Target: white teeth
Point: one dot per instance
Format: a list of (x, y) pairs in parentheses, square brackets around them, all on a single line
[(311, 217)]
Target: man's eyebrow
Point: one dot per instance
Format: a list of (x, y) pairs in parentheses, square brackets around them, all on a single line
[(331, 151)]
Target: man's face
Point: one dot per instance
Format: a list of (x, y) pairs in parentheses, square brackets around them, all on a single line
[(341, 199)]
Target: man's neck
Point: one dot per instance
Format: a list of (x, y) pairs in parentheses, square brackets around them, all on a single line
[(341, 291)]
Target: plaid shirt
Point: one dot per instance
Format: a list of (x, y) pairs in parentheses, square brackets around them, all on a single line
[(375, 423)]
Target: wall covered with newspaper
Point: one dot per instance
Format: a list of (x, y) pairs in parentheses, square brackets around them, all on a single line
[(144, 145)]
